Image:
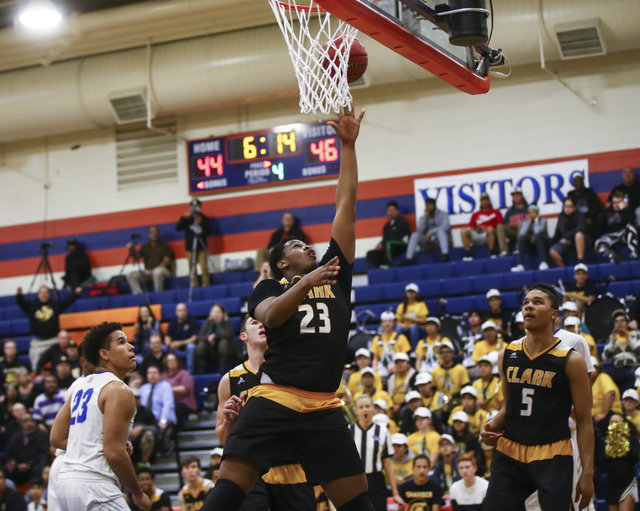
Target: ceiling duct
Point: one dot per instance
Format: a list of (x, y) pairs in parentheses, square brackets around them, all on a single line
[(129, 106), (580, 39)]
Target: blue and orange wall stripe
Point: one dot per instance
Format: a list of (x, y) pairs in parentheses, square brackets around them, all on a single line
[(245, 223)]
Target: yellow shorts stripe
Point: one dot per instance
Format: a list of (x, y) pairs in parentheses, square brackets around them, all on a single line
[(301, 401), (528, 453), (285, 474)]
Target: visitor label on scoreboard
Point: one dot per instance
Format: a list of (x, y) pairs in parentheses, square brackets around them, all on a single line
[(295, 152), (545, 185)]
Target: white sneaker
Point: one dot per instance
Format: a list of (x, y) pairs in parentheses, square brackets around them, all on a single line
[(504, 253), (543, 266), (467, 258), (517, 269)]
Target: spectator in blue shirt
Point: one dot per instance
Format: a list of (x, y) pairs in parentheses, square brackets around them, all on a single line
[(182, 336), (157, 396)]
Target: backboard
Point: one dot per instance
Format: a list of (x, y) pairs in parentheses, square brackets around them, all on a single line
[(413, 29)]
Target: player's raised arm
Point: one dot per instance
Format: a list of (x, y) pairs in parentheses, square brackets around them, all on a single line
[(344, 223), (576, 369), (228, 409)]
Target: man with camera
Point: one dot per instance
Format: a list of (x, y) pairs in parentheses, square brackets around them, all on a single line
[(158, 258), (197, 228)]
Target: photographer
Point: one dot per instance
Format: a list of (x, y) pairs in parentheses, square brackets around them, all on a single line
[(197, 228), (157, 256)]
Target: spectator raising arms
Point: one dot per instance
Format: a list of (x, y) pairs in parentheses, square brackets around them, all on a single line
[(44, 314)]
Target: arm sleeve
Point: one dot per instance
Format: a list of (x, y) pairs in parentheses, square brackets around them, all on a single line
[(22, 303)]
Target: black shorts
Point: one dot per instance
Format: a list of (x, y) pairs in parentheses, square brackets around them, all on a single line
[(269, 434), (512, 482), (280, 497)]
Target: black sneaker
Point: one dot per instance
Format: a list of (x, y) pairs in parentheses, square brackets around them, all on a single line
[(445, 258)]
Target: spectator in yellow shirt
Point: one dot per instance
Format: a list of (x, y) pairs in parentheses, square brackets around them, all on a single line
[(630, 403), (490, 341), (606, 395), (386, 344), (402, 458), (488, 385), (411, 315), (369, 388), (425, 439), (363, 360), (449, 377), (426, 352), (401, 381), (432, 399), (477, 416)]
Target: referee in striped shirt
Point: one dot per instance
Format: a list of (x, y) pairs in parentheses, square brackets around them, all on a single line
[(374, 445)]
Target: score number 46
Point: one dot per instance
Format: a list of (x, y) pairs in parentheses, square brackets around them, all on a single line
[(324, 149)]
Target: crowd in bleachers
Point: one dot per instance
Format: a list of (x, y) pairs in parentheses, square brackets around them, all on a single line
[(429, 367), (435, 390)]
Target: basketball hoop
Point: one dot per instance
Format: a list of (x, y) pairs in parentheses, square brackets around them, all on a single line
[(319, 49)]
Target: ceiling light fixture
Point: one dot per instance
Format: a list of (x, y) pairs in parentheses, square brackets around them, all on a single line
[(40, 14)]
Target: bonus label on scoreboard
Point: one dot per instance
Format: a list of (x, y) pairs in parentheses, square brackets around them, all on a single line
[(296, 152)]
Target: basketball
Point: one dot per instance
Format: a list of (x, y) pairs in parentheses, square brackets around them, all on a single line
[(358, 58)]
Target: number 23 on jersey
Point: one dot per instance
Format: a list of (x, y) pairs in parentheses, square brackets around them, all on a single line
[(79, 406)]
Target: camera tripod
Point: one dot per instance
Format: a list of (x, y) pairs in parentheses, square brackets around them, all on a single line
[(44, 266), (198, 242)]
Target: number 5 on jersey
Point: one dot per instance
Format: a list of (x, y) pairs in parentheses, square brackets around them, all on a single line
[(527, 401), (79, 407), (309, 314)]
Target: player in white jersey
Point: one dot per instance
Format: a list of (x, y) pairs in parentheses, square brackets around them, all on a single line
[(93, 426), (578, 343)]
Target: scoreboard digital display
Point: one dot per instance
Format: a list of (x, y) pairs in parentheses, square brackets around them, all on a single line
[(296, 152)]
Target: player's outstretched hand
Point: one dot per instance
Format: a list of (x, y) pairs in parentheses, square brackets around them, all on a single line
[(489, 436), (324, 274), (142, 501), (584, 492), (348, 126), (231, 409)]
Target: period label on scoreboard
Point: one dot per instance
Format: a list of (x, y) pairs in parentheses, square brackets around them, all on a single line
[(295, 152)]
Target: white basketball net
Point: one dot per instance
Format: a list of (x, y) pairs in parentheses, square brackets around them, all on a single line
[(321, 89)]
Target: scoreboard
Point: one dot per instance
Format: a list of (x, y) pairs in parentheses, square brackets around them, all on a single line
[(291, 153)]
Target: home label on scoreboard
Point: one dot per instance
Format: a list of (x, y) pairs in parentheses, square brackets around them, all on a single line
[(284, 154)]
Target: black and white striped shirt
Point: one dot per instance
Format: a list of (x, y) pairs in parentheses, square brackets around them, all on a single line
[(373, 444)]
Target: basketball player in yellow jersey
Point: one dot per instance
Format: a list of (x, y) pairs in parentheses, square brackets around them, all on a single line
[(541, 377)]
